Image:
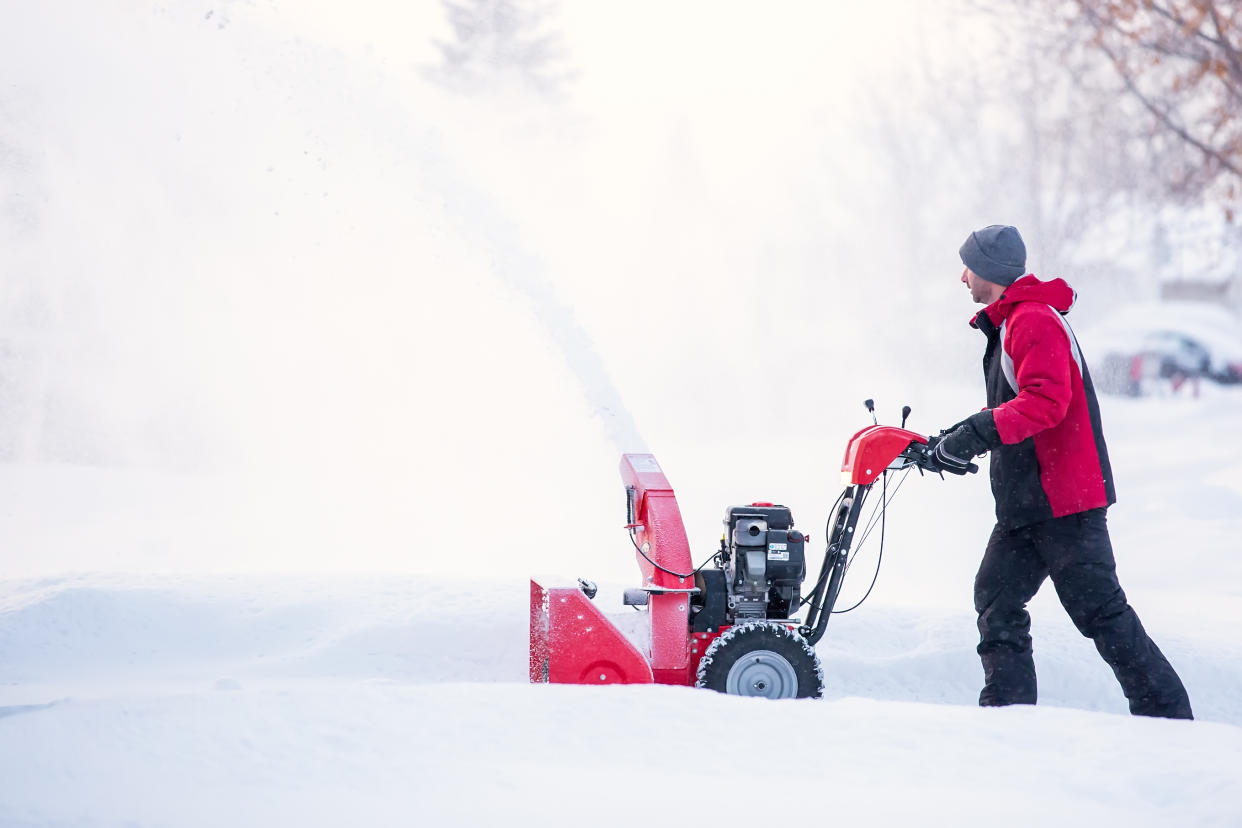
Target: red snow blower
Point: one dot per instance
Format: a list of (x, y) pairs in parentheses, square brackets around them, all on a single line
[(730, 627)]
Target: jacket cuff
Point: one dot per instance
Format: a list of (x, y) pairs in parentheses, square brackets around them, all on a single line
[(984, 425)]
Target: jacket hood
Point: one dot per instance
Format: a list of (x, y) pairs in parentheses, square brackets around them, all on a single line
[(1055, 292)]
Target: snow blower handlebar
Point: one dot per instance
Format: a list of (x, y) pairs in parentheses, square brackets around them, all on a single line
[(870, 452)]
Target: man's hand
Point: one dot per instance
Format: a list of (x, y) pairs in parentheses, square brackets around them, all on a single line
[(938, 462), (953, 450)]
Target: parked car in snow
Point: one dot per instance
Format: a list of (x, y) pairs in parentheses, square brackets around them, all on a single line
[(1163, 345)]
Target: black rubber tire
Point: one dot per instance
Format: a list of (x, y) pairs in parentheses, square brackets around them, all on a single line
[(756, 637)]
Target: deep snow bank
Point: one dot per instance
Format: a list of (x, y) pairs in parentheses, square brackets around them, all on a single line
[(331, 753), (248, 700)]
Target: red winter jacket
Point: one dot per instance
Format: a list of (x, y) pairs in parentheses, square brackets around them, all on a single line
[(1048, 453)]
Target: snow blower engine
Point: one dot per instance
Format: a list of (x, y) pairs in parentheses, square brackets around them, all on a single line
[(733, 625)]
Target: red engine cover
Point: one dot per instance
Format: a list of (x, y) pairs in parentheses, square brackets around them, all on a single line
[(872, 450)]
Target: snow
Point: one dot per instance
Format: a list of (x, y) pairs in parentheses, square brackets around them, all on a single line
[(312, 379), (184, 698)]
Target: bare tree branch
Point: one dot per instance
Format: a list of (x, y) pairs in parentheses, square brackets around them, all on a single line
[(1230, 51), (1179, 61), (1167, 120)]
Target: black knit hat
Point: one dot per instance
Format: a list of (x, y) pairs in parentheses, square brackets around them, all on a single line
[(996, 253)]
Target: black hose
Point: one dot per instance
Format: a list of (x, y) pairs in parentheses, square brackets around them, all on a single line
[(640, 551)]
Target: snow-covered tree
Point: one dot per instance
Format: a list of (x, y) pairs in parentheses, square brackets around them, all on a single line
[(499, 43)]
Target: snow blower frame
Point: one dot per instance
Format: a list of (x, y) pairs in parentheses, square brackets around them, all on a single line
[(731, 627)]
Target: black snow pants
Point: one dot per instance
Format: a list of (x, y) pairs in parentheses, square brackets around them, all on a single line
[(1076, 552)]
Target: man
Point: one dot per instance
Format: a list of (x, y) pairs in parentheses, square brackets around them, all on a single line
[(1052, 484)]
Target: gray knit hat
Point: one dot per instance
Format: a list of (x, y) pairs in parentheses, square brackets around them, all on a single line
[(996, 253)]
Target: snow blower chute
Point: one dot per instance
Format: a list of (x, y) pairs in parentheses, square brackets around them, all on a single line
[(731, 626)]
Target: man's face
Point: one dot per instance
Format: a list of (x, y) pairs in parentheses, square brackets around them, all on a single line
[(981, 290)]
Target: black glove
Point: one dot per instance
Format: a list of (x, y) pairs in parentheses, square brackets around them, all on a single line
[(935, 462), (960, 443)]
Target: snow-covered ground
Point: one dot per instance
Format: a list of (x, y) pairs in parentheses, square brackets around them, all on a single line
[(252, 699)]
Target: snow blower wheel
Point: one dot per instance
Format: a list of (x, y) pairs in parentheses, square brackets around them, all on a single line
[(762, 659)]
